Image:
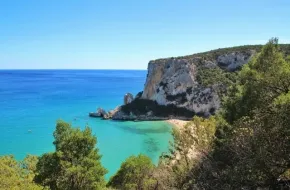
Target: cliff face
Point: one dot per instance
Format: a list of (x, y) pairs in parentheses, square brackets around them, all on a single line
[(175, 80)]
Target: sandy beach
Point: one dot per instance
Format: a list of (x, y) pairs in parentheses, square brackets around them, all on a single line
[(177, 123)]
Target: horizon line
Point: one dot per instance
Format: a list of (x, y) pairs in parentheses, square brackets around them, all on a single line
[(11, 69)]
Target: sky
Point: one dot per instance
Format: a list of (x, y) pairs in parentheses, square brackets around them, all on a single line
[(127, 34)]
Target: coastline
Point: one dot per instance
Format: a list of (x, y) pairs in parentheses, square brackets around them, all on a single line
[(192, 151), (178, 123)]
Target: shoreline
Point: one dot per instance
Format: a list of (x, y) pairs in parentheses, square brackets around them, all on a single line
[(178, 123), (176, 155)]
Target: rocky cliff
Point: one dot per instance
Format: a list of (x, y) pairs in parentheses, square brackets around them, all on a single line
[(185, 86), (175, 81)]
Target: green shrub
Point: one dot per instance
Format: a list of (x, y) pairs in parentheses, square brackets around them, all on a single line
[(18, 175), (135, 173)]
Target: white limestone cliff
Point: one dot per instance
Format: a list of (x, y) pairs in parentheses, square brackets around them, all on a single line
[(174, 80)]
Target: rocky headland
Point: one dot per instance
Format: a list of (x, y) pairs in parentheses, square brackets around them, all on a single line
[(181, 87)]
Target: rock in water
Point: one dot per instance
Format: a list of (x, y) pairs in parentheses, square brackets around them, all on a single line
[(113, 112), (100, 113), (128, 98)]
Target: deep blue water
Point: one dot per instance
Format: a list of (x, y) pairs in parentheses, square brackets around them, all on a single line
[(32, 100)]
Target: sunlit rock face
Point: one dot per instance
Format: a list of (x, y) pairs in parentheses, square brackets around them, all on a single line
[(174, 80)]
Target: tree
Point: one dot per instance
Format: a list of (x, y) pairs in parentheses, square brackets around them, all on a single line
[(18, 175), (255, 151), (265, 90), (75, 164), (135, 173), (191, 143), (261, 82)]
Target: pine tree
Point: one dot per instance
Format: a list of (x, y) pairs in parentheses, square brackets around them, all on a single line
[(75, 164)]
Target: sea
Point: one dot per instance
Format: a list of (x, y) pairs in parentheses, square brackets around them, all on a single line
[(31, 101)]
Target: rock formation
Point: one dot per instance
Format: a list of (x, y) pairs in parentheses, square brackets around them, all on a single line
[(174, 80), (128, 98), (100, 113), (185, 86)]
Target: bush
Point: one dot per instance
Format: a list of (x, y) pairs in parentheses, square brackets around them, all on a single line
[(18, 175), (135, 173)]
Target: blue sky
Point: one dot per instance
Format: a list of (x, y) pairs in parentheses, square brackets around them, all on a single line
[(107, 34)]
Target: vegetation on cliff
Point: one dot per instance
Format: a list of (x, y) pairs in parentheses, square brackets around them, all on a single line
[(196, 83), (213, 54), (251, 143)]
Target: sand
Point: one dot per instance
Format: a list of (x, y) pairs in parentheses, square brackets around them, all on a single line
[(177, 123), (192, 152)]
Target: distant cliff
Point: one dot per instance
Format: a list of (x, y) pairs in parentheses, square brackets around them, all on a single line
[(175, 80), (188, 85)]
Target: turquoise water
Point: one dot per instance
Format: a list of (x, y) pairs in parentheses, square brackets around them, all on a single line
[(32, 100)]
